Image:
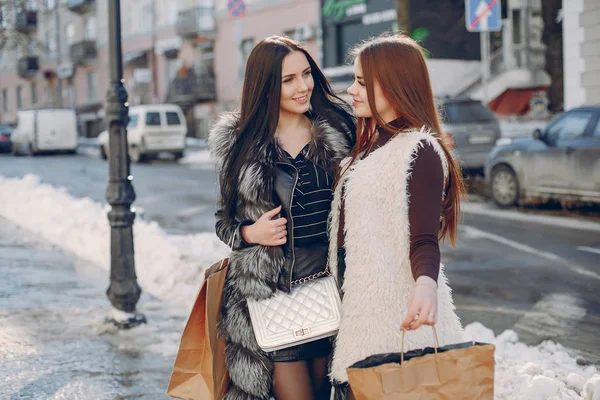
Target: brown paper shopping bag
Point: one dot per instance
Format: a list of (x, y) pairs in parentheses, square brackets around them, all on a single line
[(199, 372), (463, 371)]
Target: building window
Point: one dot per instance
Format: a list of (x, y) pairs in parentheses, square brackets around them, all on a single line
[(34, 93), (50, 4), (5, 100), (516, 25), (50, 44), (70, 33), (90, 28), (92, 85), (245, 48), (19, 98), (145, 19)]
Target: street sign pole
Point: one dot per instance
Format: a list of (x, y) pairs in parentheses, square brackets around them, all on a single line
[(485, 64), (484, 16)]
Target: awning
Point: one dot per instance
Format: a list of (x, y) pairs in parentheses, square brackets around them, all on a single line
[(133, 55), (513, 101)]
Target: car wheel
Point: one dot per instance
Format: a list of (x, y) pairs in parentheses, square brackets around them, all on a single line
[(178, 155), (103, 153), (14, 150), (504, 186), (31, 150), (135, 154)]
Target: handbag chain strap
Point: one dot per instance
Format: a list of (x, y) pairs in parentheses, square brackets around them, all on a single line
[(312, 277)]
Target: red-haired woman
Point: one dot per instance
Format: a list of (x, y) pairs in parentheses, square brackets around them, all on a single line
[(397, 195)]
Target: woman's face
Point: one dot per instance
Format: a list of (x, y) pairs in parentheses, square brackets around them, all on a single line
[(297, 84), (358, 91)]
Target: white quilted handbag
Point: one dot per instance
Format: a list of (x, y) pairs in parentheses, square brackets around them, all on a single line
[(311, 311)]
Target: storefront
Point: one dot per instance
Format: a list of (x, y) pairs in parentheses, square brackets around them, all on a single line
[(437, 24)]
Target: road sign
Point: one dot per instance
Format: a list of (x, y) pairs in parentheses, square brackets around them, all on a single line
[(483, 15), (236, 8)]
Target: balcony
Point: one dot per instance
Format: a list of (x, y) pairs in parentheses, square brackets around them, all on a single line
[(83, 52), (196, 22), (27, 66), (81, 6), (26, 21), (192, 89)]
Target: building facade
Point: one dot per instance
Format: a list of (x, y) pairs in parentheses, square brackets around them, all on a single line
[(298, 19), (168, 56), (581, 39)]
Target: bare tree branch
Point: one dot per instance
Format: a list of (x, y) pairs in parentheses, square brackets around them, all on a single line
[(10, 37)]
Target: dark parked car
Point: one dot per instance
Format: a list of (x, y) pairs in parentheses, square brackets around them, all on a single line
[(471, 129), (5, 132), (561, 162)]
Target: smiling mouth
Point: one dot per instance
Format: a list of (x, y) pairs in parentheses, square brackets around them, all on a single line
[(303, 98)]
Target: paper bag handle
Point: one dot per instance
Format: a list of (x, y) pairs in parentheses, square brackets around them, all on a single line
[(435, 338)]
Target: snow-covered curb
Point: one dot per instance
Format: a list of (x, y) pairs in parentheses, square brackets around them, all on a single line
[(168, 266), (171, 268)]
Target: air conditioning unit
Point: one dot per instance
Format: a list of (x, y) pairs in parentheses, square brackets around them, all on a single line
[(305, 32)]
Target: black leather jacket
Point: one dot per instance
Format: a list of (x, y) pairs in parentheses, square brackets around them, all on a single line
[(300, 262)]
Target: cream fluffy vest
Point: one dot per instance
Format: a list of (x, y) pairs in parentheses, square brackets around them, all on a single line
[(378, 278)]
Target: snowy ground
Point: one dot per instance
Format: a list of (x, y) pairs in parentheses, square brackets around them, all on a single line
[(170, 267)]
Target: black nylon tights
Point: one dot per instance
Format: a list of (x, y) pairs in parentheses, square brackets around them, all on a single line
[(302, 380)]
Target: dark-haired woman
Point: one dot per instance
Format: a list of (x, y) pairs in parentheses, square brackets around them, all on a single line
[(399, 192), (276, 161)]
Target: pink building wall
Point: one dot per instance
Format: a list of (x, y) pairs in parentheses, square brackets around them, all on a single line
[(259, 24)]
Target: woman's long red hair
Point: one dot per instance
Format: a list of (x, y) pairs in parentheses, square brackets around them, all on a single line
[(397, 63)]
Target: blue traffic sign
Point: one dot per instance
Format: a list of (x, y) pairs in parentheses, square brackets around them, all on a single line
[(483, 15), (237, 8)]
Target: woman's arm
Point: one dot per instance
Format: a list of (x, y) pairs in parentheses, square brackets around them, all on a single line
[(225, 231), (425, 188)]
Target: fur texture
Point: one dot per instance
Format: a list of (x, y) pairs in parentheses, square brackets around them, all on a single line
[(254, 270), (378, 278)]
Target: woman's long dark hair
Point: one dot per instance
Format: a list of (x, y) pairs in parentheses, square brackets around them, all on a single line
[(259, 113)]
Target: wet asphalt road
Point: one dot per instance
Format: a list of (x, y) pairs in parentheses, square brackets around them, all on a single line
[(540, 279)]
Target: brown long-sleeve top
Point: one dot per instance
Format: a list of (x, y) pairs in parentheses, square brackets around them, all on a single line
[(425, 188)]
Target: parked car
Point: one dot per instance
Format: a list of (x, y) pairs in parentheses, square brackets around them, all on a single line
[(52, 129), (561, 162), (471, 129), (152, 129), (5, 132)]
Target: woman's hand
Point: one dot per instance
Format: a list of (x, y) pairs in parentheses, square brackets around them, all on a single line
[(266, 231), (422, 304)]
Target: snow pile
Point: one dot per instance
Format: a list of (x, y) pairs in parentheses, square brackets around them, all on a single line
[(200, 158), (543, 372), (168, 266)]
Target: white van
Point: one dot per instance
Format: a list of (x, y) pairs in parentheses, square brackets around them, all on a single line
[(152, 129), (52, 129)]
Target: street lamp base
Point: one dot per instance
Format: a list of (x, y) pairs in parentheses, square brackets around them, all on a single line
[(123, 320)]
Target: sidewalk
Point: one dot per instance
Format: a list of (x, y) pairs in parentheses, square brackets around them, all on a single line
[(53, 342)]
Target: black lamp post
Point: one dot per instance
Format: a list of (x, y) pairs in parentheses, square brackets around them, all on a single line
[(124, 291)]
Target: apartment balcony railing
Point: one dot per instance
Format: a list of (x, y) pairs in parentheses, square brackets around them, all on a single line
[(28, 66), (26, 21), (196, 22), (80, 6), (192, 89), (82, 52)]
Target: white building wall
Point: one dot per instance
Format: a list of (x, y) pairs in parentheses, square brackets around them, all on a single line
[(574, 64)]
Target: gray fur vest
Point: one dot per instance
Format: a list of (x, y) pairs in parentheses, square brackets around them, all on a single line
[(253, 271)]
